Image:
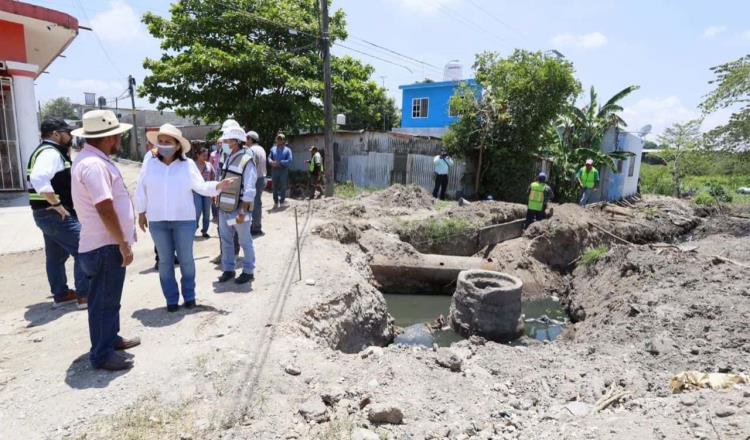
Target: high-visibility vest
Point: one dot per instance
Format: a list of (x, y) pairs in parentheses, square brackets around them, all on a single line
[(60, 181), (588, 177), (229, 198), (311, 166), (536, 196)]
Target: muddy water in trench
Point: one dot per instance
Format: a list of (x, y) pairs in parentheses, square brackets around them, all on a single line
[(544, 319)]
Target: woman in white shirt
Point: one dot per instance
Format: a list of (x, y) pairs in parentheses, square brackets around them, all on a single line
[(164, 201)]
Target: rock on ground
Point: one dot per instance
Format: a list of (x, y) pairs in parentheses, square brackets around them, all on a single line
[(385, 413)]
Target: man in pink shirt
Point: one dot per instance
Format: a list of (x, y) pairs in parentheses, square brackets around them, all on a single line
[(107, 234)]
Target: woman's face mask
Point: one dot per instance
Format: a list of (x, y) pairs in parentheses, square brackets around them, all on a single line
[(166, 150)]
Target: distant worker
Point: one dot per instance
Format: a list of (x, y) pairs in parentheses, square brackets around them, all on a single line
[(442, 163), (52, 207), (280, 159), (539, 195), (315, 167), (588, 181), (259, 153)]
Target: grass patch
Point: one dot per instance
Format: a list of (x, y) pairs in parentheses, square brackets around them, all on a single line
[(593, 254), (433, 231), (443, 204), (349, 190)]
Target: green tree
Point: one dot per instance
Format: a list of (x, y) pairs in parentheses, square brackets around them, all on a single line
[(59, 108), (577, 135), (680, 138), (732, 88), (257, 61), (504, 130)]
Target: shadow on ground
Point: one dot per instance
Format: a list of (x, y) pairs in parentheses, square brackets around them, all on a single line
[(232, 287), (159, 317), (43, 313), (82, 376)]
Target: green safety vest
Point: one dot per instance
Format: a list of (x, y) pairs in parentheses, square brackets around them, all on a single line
[(311, 167), (33, 195), (536, 196), (588, 178)]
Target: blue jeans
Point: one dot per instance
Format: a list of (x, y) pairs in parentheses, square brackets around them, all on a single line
[(202, 206), (260, 185), (170, 237), (103, 268), (244, 233), (60, 242), (280, 178), (585, 196)]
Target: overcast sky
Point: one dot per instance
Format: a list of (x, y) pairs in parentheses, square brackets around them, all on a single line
[(666, 47)]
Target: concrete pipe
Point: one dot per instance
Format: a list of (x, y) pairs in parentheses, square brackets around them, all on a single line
[(487, 304)]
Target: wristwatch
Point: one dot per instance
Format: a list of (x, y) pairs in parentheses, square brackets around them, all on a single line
[(56, 204)]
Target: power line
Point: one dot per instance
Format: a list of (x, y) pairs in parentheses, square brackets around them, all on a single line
[(101, 45), (395, 53), (374, 56), (453, 14), (494, 17)]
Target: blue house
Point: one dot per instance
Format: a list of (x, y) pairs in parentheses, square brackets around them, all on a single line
[(425, 109)]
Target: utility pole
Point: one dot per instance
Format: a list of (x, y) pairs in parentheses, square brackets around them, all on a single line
[(134, 134), (327, 100)]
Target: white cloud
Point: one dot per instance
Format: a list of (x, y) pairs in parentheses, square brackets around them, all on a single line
[(746, 34), (659, 112), (591, 40), (713, 31), (425, 6), (120, 23), (75, 88)]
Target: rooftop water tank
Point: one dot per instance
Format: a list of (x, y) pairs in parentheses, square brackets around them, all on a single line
[(454, 71)]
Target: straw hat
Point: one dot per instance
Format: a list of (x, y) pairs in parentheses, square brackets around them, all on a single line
[(171, 131), (99, 124)]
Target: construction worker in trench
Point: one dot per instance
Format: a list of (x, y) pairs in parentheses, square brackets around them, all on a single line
[(539, 195), (588, 181)]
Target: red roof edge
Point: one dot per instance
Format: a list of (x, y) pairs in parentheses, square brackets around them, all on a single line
[(39, 13)]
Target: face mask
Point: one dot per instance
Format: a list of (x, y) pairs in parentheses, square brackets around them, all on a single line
[(213, 147), (166, 150), (225, 148)]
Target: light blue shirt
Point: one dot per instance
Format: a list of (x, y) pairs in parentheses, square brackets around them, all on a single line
[(442, 165)]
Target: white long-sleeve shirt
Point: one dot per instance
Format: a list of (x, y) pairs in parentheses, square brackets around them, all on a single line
[(165, 192), (48, 163)]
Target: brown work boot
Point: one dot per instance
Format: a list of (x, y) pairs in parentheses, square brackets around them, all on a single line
[(124, 343), (116, 363), (83, 303), (66, 298)]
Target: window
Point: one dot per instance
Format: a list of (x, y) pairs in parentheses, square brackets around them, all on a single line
[(452, 110), (619, 167), (419, 107), (631, 167)]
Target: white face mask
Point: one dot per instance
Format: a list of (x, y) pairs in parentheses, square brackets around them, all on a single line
[(166, 150), (226, 148)]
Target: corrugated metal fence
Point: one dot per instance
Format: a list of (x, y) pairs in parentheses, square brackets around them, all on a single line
[(379, 160)]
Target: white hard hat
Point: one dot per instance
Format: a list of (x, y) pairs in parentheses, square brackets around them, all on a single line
[(253, 135), (229, 123), (234, 133)]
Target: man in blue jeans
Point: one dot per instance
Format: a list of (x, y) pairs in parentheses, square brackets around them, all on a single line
[(107, 234), (280, 159), (236, 206), (51, 203), (259, 153)]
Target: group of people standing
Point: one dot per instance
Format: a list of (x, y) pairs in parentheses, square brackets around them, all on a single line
[(84, 210)]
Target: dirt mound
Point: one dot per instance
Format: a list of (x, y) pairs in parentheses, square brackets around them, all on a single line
[(408, 197), (343, 232), (485, 213)]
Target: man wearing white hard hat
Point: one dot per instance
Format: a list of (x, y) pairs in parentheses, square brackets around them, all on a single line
[(588, 181), (259, 153), (102, 202), (236, 204), (165, 205)]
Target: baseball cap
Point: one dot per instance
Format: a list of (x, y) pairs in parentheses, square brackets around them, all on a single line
[(589, 161), (55, 124)]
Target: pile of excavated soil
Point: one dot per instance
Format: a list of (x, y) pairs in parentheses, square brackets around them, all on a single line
[(409, 197), (394, 201)]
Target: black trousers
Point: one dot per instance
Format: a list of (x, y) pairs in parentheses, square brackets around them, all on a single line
[(533, 216), (441, 185)]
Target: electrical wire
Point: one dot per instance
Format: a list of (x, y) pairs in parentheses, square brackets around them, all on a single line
[(453, 14), (373, 56), (101, 45), (494, 17)]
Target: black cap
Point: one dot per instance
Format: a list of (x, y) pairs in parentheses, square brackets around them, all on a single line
[(55, 124)]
